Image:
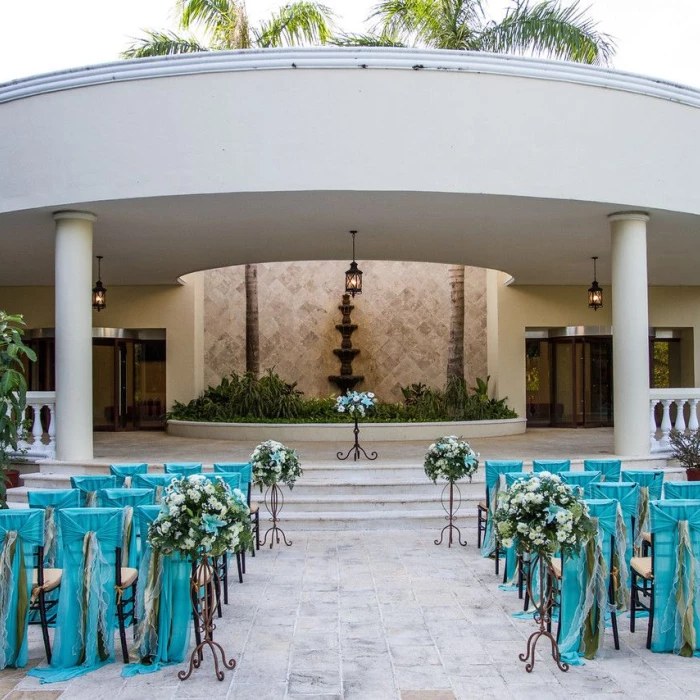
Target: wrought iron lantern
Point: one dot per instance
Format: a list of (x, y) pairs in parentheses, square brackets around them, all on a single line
[(595, 293), (99, 291), (353, 277)]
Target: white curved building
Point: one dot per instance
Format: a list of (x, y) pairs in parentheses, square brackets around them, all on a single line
[(526, 167)]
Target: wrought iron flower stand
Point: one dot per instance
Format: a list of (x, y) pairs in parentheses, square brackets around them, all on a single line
[(356, 450), (204, 591), (543, 613), (274, 502), (453, 505)]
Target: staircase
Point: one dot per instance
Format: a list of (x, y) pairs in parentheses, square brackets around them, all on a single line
[(341, 496)]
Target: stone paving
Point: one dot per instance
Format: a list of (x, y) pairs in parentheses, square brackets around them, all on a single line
[(379, 616)]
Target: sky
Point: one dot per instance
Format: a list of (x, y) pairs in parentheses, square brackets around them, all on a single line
[(654, 37)]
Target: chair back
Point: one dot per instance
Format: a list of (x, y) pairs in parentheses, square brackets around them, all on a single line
[(687, 490), (626, 493), (91, 539), (610, 468), (512, 477), (183, 468), (245, 469), (128, 499), (581, 480), (553, 466), (675, 529), (145, 516), (127, 471), (21, 542), (231, 479), (494, 471), (653, 480), (90, 484), (51, 501), (155, 482)]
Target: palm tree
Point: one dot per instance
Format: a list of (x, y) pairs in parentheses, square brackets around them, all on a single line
[(546, 28), (225, 23)]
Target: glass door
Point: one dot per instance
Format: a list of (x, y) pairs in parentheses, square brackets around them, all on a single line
[(597, 375), (564, 384)]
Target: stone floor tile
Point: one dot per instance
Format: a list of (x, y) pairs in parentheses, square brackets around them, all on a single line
[(34, 695), (421, 677)]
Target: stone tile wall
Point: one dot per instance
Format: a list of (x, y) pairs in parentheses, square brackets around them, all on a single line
[(403, 318)]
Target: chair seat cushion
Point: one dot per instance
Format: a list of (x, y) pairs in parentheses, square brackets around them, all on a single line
[(254, 507), (52, 579), (642, 566), (129, 576), (646, 536), (556, 568), (482, 505)]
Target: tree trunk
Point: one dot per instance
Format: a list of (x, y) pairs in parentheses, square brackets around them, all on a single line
[(455, 348), (252, 327)]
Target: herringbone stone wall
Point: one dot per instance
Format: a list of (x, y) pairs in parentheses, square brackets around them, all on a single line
[(403, 319)]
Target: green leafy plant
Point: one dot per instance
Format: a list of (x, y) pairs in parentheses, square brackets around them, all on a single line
[(13, 391), (686, 448)]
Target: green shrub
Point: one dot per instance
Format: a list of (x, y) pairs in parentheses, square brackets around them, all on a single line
[(244, 399)]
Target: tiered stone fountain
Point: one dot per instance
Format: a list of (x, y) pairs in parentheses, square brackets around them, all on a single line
[(346, 380)]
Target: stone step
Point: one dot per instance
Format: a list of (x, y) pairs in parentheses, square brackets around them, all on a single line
[(346, 504)]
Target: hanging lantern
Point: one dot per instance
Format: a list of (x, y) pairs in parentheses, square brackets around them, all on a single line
[(595, 293), (353, 277), (99, 291)]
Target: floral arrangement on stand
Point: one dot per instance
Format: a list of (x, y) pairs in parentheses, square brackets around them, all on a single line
[(357, 404), (450, 458), (200, 520), (273, 463), (542, 517)]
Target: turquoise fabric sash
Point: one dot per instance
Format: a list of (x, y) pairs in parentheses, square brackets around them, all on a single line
[(127, 471), (609, 468), (245, 469), (21, 532), (232, 479), (85, 622), (650, 487), (583, 480), (51, 501), (89, 485), (553, 466), (675, 526), (164, 605), (687, 490), (155, 482), (493, 472), (183, 468)]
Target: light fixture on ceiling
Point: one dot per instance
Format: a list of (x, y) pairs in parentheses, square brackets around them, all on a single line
[(353, 277), (99, 291), (595, 293)]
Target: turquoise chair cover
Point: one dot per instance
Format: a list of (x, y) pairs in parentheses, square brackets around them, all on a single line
[(650, 488), (232, 479), (183, 468), (675, 526), (51, 501), (128, 499), (626, 493), (86, 619), (155, 482), (585, 584), (245, 469), (89, 485), (584, 480), (610, 468), (511, 554), (688, 490), (127, 471), (164, 607), (553, 466), (493, 471), (21, 532)]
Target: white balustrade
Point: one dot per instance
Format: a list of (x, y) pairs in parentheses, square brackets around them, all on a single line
[(39, 443), (681, 402)]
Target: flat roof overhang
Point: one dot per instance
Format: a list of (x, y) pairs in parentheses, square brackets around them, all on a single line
[(195, 162)]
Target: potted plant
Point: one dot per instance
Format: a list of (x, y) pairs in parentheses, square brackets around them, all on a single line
[(13, 395), (686, 449)]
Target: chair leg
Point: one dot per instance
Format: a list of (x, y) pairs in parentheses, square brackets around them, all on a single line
[(616, 636), (479, 521), (257, 529), (498, 558), (520, 565), (44, 625), (651, 616), (216, 588), (224, 580), (633, 601), (134, 598), (239, 563), (243, 559), (122, 632)]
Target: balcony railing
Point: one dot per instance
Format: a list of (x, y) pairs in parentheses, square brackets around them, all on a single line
[(39, 439), (669, 409)]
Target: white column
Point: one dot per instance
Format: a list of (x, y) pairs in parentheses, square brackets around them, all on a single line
[(73, 335), (630, 318)]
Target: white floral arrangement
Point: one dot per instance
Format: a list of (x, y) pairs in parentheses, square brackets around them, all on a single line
[(543, 515), (201, 517), (273, 463), (450, 458), (356, 403)]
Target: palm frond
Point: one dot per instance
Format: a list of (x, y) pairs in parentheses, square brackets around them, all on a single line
[(157, 43), (548, 29), (296, 24), (365, 40), (225, 21)]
